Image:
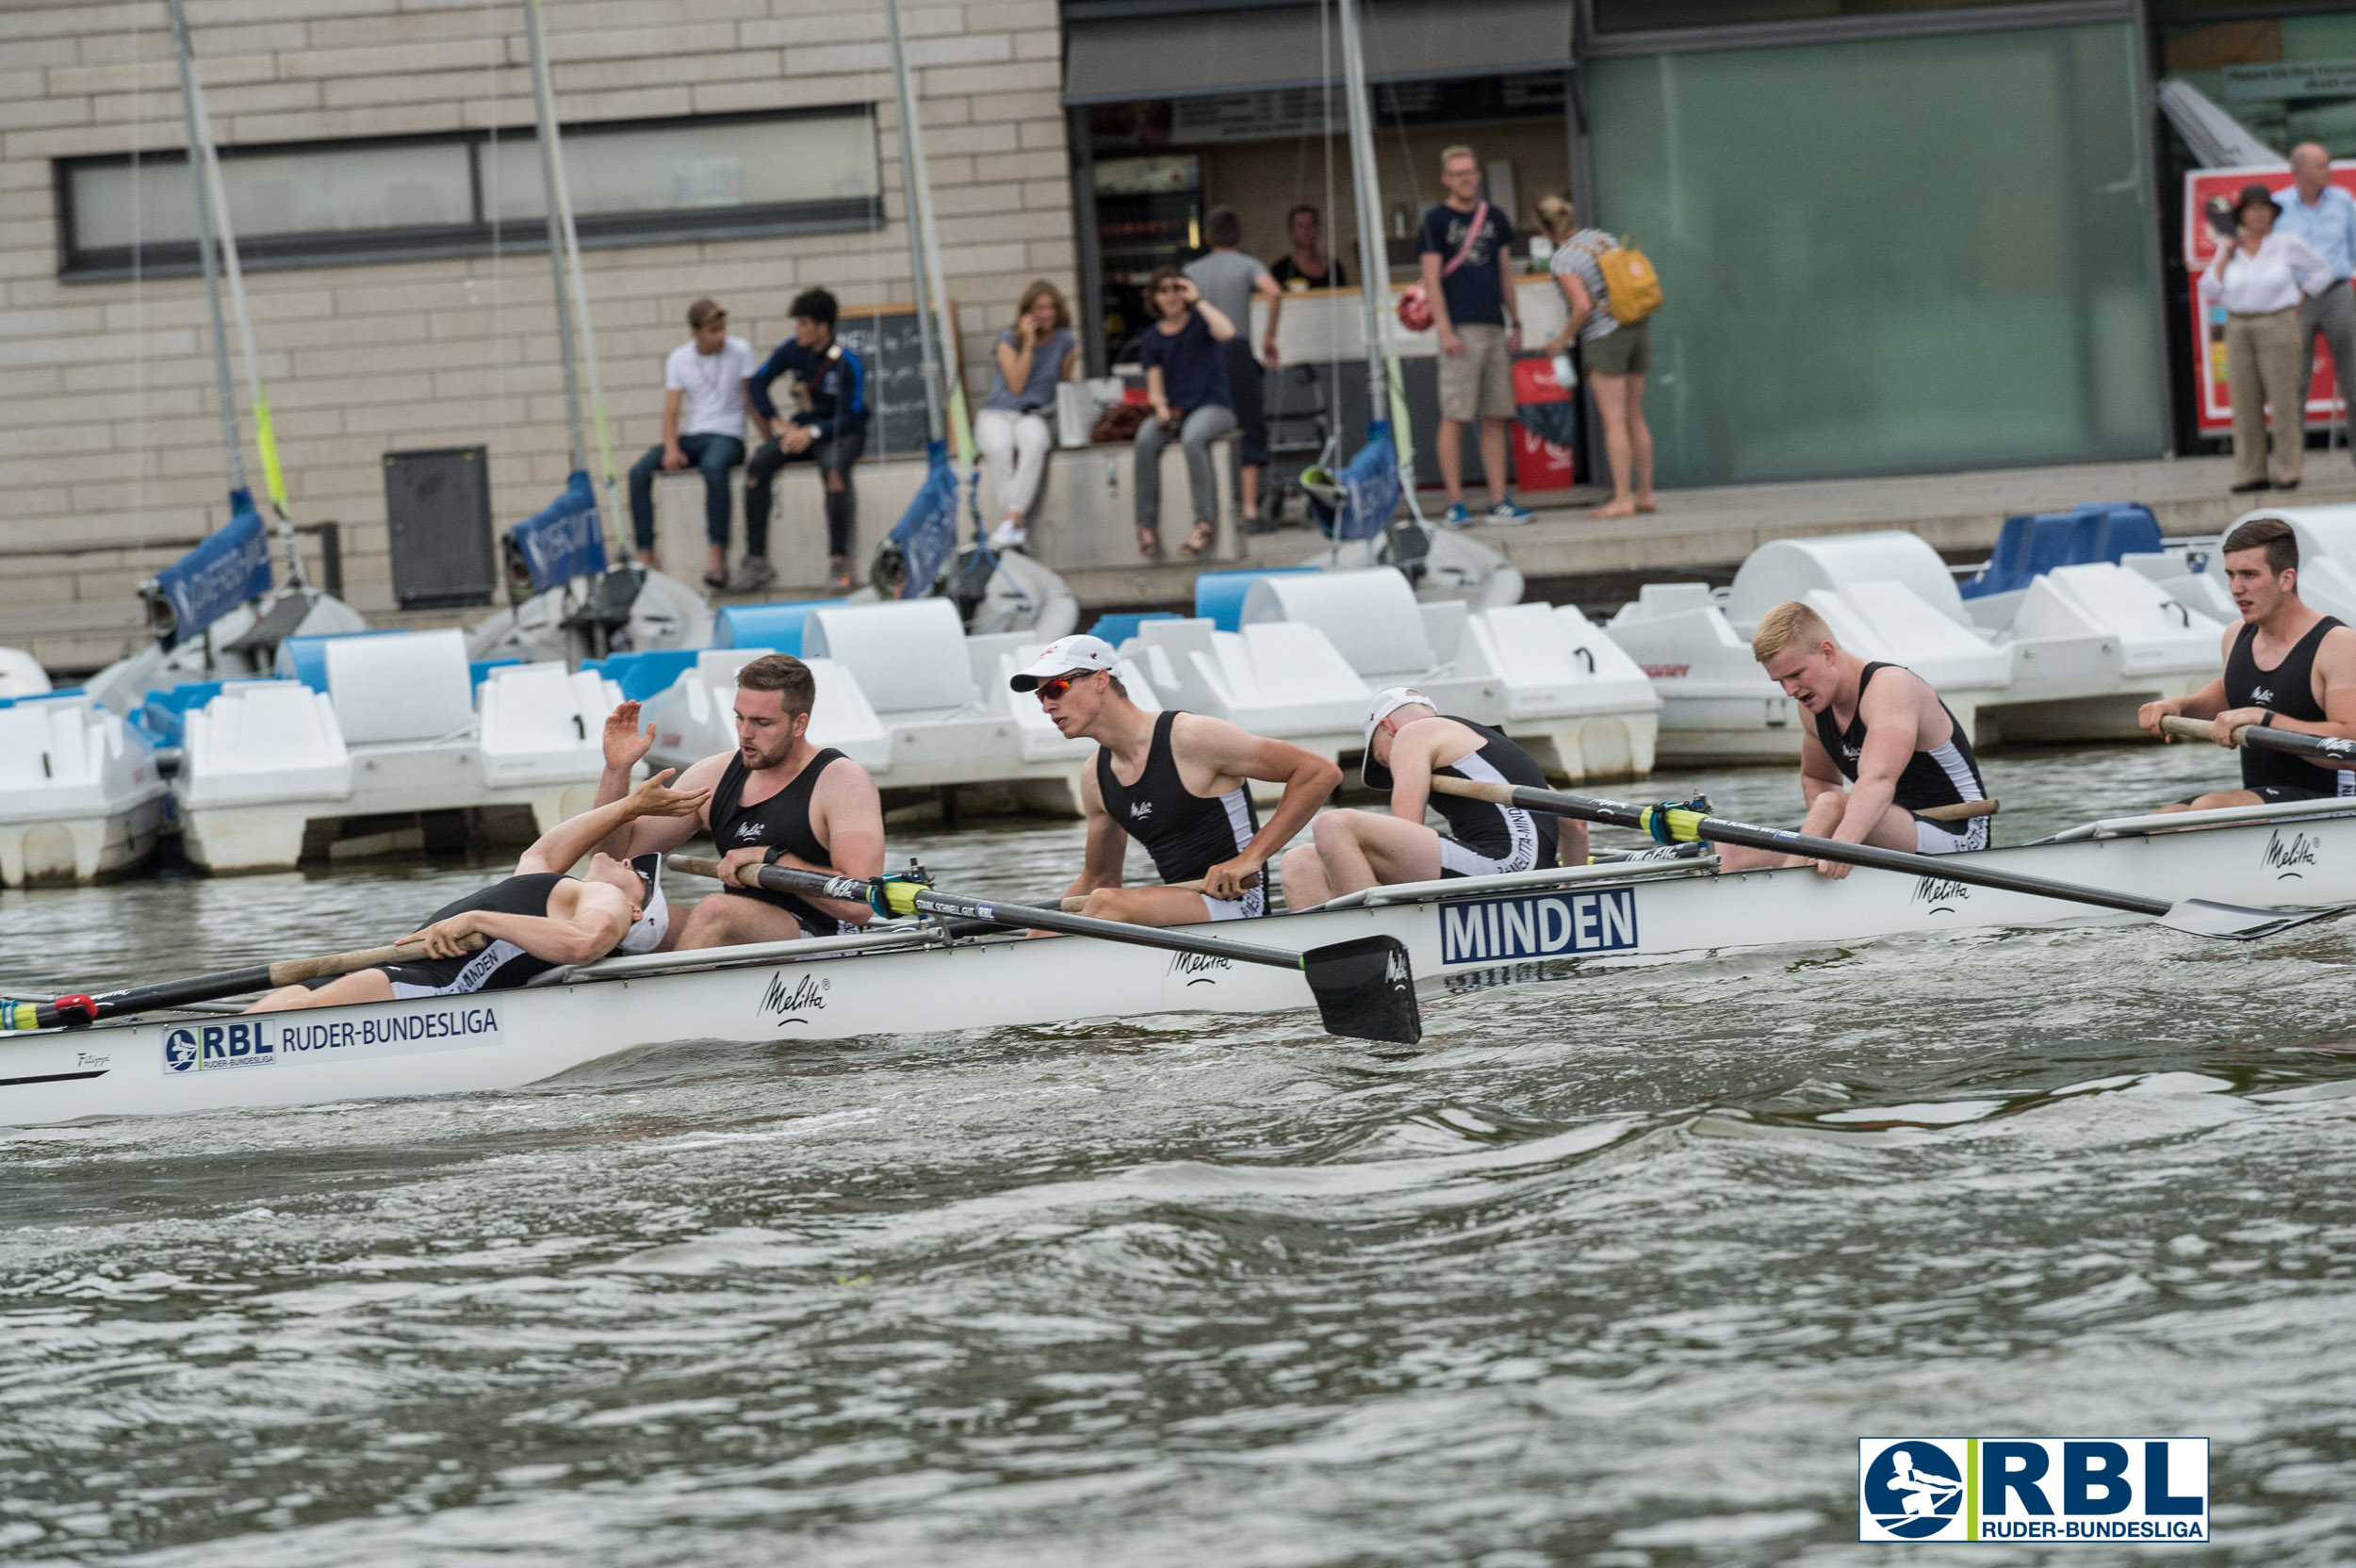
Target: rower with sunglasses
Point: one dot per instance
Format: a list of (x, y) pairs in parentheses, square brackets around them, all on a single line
[(1178, 783)]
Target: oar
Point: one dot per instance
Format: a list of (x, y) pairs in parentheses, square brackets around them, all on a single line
[(1074, 903), (2257, 737), (78, 1011), (1362, 987), (2198, 917)]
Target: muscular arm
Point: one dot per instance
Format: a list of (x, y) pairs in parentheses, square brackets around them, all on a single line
[(565, 845), (1415, 750), (1433, 294), (1202, 744), (587, 920), (2335, 692), (1892, 728), (671, 401), (846, 814), (1108, 846)]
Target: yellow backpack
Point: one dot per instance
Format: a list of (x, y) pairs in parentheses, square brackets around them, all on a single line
[(1631, 288)]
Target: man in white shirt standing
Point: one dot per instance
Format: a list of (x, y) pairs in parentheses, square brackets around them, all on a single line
[(2262, 277), (703, 427), (2324, 215)]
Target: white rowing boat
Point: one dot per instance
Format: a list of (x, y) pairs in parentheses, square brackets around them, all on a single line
[(1462, 936)]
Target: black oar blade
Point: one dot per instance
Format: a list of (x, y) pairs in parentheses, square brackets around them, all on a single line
[(2235, 921), (1364, 990)]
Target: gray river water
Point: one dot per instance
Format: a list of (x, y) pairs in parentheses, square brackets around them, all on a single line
[(1613, 1273)]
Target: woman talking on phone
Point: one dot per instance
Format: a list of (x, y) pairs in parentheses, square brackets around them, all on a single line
[(1033, 355), (2260, 276)]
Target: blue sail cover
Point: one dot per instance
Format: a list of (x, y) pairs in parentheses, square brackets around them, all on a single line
[(227, 569), (566, 540), (1368, 486), (927, 531)]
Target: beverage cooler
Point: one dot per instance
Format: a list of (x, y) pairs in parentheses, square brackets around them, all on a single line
[(1149, 213)]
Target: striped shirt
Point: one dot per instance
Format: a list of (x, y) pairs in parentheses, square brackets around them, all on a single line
[(1576, 255)]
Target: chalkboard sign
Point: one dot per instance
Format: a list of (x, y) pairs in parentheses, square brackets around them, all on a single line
[(887, 341)]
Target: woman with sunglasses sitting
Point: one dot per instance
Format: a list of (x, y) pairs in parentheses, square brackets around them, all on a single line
[(1185, 381)]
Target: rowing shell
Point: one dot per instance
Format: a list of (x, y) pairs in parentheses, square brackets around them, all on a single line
[(1462, 936)]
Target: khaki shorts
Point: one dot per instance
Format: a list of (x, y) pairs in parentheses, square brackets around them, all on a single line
[(1625, 350), (1479, 383)]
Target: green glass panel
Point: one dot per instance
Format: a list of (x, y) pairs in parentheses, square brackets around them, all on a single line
[(1626, 16), (1906, 254)]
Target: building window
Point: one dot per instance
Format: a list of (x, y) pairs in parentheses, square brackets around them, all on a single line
[(1918, 254), (436, 196), (2287, 79), (1631, 16)]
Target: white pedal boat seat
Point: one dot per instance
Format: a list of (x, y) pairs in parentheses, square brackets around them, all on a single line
[(79, 794)]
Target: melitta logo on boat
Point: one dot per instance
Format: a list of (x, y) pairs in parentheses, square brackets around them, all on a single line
[(1538, 926), (296, 1038), (2112, 1489)]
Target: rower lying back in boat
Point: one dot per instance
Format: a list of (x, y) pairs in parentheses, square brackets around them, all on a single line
[(533, 922), (776, 799), (1409, 743), (1179, 784), (2287, 666), (1882, 730)]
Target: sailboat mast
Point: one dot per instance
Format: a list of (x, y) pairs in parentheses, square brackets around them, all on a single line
[(919, 216), (552, 181), (1374, 285), (224, 387)]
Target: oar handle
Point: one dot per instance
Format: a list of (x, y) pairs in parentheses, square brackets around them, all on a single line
[(1502, 793), (2258, 737), (1682, 823), (1074, 903), (78, 1011), (293, 971)]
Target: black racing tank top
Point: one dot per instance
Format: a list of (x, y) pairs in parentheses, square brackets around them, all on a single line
[(1184, 833), (1940, 775), (503, 964), (2288, 689), (780, 822), (1524, 841)]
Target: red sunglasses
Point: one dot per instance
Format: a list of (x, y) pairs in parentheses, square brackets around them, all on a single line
[(1050, 689)]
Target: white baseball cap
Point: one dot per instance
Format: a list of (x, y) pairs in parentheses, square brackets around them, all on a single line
[(1388, 701), (1065, 656)]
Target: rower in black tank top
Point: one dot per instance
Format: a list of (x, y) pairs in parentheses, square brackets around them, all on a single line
[(1484, 838), (1944, 775), (1184, 833), (2288, 689), (781, 822)]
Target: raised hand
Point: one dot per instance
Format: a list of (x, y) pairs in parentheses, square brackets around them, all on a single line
[(651, 799), (624, 747)]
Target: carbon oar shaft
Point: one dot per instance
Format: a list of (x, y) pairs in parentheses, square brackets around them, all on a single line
[(73, 1011), (1364, 987), (1693, 824), (788, 879), (2258, 737)]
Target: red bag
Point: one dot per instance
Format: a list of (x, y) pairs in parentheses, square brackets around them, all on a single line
[(1415, 306)]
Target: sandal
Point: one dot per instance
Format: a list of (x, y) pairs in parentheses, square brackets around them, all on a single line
[(716, 581), (1204, 535), (1149, 543)]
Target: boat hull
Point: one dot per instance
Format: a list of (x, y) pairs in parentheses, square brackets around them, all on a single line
[(1466, 936)]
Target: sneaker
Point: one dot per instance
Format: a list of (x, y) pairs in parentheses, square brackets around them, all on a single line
[(839, 574), (2256, 485), (1009, 536), (1457, 516), (1507, 511), (754, 572)]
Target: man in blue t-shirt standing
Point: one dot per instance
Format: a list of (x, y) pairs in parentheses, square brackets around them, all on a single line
[(1468, 279), (829, 429)]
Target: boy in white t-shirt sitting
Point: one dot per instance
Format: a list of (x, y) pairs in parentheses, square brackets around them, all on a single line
[(703, 427)]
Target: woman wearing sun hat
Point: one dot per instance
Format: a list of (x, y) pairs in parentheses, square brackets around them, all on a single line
[(2260, 276)]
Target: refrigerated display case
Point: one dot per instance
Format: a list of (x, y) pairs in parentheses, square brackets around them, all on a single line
[(1149, 213)]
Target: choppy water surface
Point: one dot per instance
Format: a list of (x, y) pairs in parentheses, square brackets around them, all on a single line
[(1613, 1272)]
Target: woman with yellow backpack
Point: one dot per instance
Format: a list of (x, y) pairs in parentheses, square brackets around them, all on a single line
[(1612, 290)]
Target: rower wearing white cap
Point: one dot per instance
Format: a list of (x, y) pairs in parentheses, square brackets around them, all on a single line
[(531, 921), (1408, 740), (1180, 785)]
